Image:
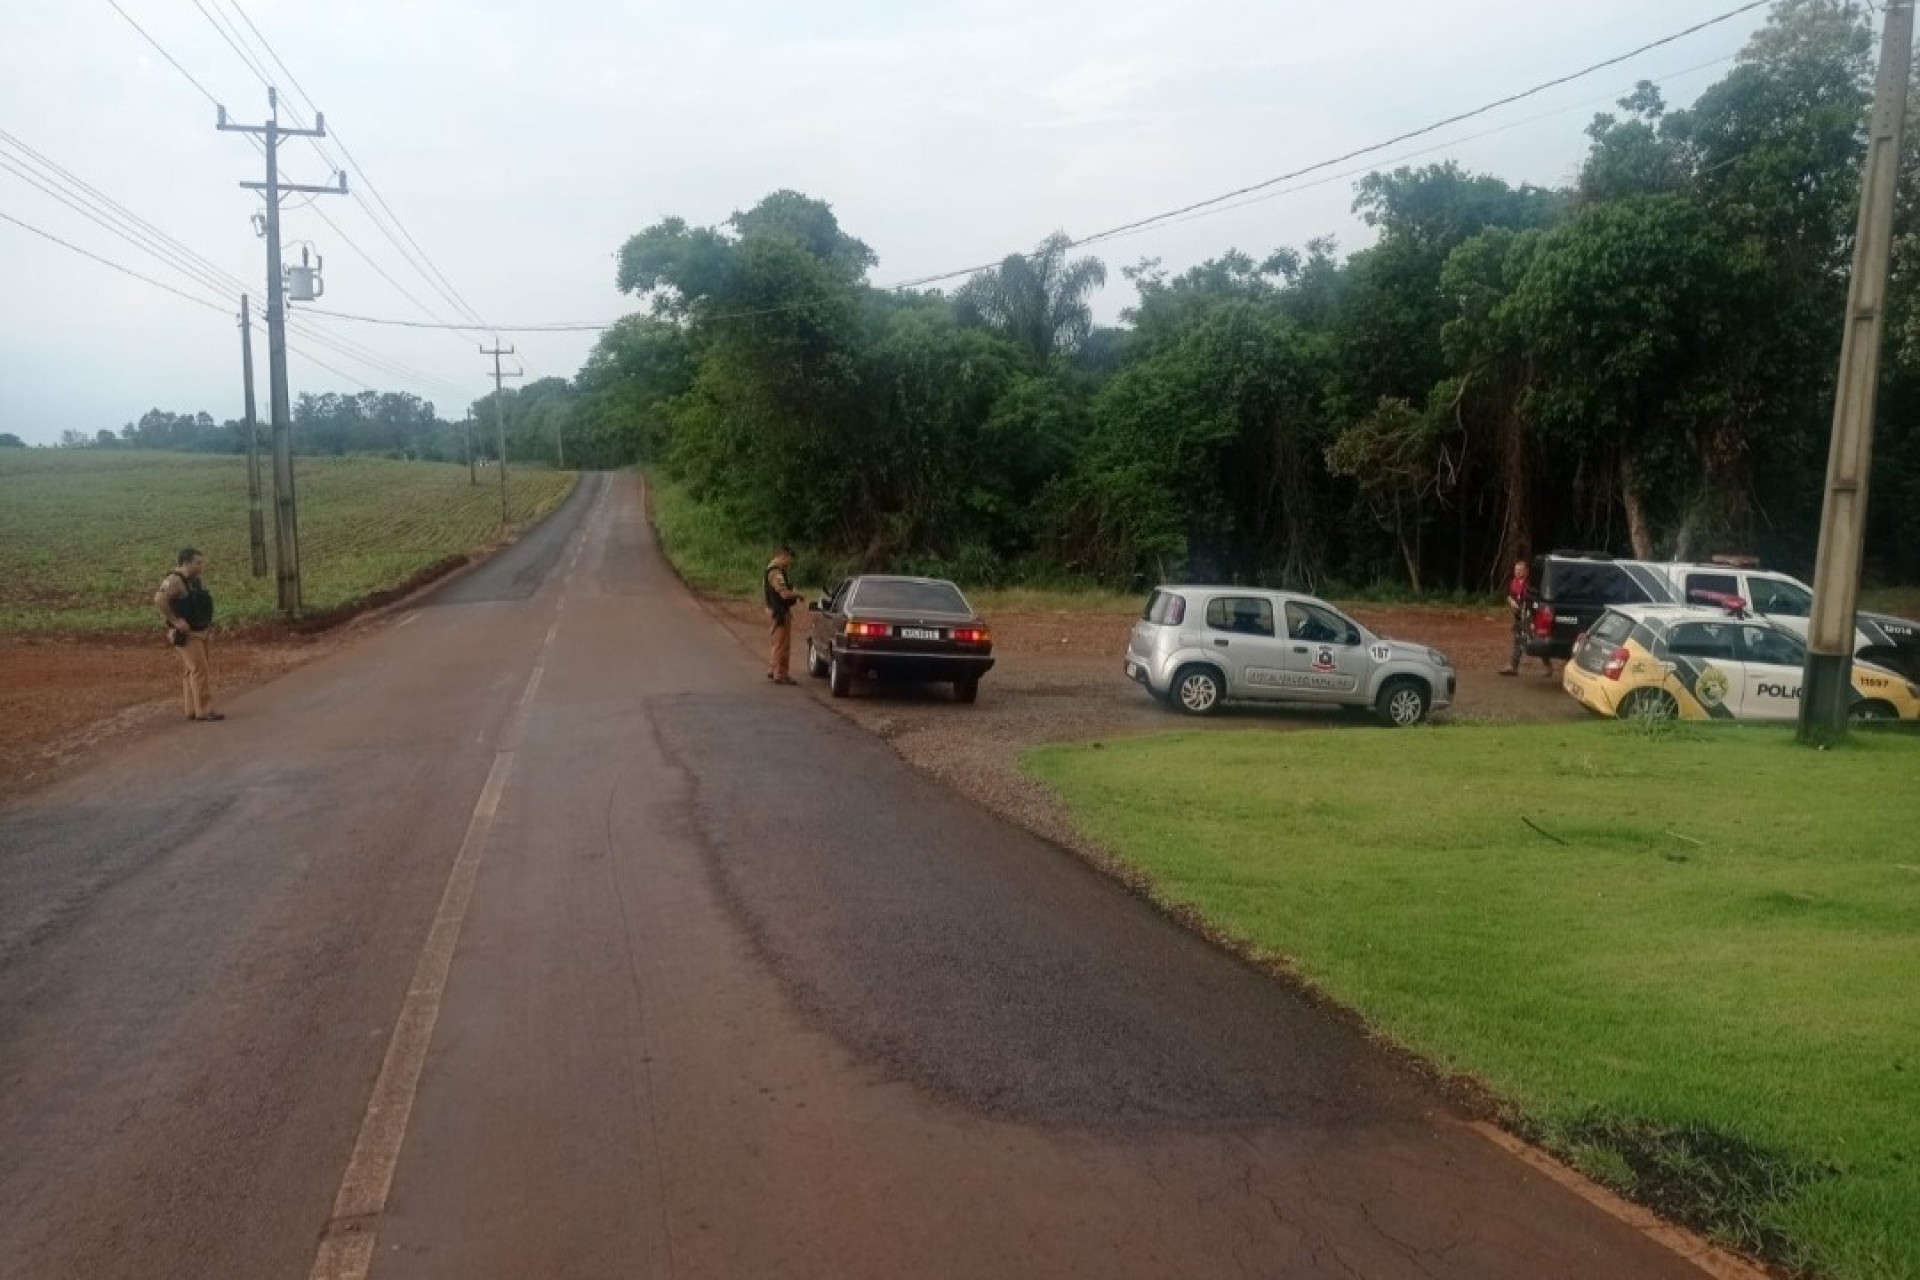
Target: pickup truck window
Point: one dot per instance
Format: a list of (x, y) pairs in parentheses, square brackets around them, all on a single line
[(1770, 595), (1719, 584)]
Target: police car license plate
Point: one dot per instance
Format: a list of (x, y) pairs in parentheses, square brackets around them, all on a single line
[(918, 633)]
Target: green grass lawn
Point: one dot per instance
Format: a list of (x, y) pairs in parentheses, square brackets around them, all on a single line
[(85, 535), (1707, 996)]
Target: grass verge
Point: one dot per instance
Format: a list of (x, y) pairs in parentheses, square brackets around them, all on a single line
[(85, 536), (1694, 975)]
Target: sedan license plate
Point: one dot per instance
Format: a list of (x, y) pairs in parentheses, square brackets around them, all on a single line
[(917, 633)]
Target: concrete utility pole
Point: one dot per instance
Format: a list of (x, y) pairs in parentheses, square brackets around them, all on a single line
[(500, 416), (286, 543), (256, 522), (1828, 683)]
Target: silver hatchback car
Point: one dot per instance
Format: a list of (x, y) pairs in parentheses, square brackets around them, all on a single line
[(1200, 647)]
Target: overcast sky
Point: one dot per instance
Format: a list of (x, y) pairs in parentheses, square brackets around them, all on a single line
[(520, 143)]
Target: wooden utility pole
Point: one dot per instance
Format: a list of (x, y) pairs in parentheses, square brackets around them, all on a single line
[(500, 417), (256, 521), (286, 542), (1827, 689), (466, 431)]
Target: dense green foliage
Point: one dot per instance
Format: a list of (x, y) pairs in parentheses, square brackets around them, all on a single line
[(1642, 361), (1698, 994)]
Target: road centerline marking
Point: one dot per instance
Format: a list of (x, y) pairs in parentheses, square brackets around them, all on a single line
[(347, 1243), (349, 1238)]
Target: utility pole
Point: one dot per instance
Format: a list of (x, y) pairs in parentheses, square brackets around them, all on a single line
[(560, 437), (286, 544), (500, 416), (466, 430), (1827, 693), (256, 521)]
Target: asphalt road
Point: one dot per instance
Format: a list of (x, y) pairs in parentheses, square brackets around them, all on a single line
[(536, 935)]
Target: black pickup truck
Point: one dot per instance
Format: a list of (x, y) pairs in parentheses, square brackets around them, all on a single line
[(1570, 590)]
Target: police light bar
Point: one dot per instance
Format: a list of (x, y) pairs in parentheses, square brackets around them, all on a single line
[(1719, 599)]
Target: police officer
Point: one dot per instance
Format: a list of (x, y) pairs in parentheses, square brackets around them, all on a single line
[(187, 608), (781, 597)]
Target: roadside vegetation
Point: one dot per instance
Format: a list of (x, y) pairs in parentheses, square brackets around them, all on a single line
[(1686, 960), (1639, 362), (85, 535), (712, 555)]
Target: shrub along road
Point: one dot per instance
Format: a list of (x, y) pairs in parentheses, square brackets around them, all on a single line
[(536, 935)]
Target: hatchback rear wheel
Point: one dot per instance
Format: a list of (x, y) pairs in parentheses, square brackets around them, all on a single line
[(1655, 704), (1197, 691)]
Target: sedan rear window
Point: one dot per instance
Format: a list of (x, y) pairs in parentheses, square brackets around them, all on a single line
[(909, 597)]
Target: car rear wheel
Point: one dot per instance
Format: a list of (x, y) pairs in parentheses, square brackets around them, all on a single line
[(966, 690), (839, 679), (1402, 703), (1655, 704), (1197, 691), (816, 665), (1873, 710)]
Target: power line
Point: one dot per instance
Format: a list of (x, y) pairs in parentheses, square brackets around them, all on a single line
[(137, 239), (593, 326), (230, 34), (428, 269), (161, 50), (108, 262), (232, 44), (178, 293), (76, 193), (1510, 99), (1583, 105), (550, 326)]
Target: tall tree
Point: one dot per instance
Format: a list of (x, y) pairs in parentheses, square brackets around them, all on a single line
[(1039, 300)]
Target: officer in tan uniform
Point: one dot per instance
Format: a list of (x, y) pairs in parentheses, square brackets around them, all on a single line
[(187, 607), (781, 598)]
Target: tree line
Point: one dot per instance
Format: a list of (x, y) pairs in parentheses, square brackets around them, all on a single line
[(1640, 361)]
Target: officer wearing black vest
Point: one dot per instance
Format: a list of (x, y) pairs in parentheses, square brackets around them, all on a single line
[(781, 597), (187, 606)]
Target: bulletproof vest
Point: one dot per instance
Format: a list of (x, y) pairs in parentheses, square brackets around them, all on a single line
[(775, 601), (196, 607)]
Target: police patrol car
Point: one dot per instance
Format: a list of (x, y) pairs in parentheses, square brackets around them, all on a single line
[(1711, 663)]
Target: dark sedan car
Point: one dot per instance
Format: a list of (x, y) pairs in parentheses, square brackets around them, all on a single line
[(882, 627)]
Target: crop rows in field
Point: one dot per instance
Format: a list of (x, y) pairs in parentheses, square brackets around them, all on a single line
[(85, 536)]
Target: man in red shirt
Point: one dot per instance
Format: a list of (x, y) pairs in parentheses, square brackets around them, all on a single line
[(1518, 588)]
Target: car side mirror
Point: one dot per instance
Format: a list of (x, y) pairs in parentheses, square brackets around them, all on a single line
[(818, 606)]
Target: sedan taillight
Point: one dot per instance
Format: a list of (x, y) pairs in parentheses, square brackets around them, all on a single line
[(972, 635), (867, 630), (1616, 663)]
